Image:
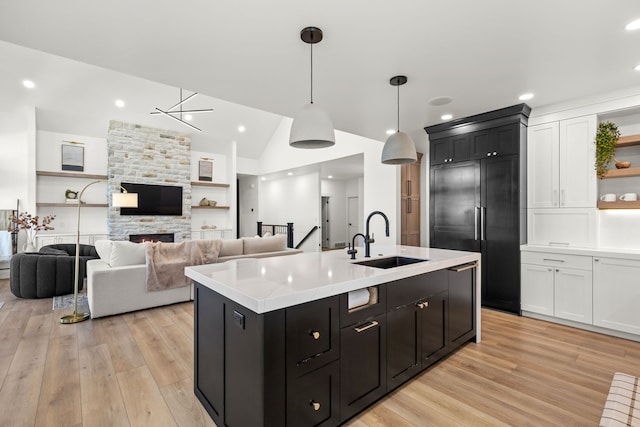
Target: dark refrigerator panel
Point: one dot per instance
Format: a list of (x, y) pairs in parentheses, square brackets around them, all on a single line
[(455, 202), (500, 244)]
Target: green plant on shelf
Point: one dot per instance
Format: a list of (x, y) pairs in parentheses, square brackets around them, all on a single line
[(606, 141)]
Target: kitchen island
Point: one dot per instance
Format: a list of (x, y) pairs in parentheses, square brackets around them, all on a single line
[(314, 338)]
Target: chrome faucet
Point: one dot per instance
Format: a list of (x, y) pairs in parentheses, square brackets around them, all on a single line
[(352, 246), (368, 239)]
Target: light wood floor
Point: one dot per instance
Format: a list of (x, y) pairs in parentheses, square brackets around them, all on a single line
[(137, 370)]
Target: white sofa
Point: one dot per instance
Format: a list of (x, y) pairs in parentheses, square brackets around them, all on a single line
[(116, 283)]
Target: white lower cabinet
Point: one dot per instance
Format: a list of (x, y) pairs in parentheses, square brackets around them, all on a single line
[(616, 294), (558, 285)]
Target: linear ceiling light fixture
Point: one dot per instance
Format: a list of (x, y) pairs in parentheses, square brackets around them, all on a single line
[(312, 126), (178, 114), (399, 148)]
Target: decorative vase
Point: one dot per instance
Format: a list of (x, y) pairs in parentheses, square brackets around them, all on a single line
[(30, 245)]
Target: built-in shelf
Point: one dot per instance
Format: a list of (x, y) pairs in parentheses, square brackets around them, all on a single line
[(208, 184), (621, 204), (71, 175), (622, 173), (628, 141), (209, 207), (70, 205)]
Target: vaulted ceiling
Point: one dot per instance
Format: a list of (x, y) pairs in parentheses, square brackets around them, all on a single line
[(247, 59)]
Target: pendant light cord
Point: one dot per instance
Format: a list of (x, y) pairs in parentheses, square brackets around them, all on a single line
[(311, 72), (398, 130)]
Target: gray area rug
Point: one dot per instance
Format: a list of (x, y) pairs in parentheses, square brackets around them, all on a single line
[(66, 301)]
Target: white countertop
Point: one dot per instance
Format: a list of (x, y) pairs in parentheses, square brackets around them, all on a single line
[(267, 284), (571, 250)]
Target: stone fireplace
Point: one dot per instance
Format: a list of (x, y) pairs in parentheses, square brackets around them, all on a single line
[(144, 155)]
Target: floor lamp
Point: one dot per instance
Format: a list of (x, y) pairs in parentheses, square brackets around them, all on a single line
[(118, 200)]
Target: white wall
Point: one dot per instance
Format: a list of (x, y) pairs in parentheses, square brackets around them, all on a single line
[(293, 199), (380, 183), (17, 153)]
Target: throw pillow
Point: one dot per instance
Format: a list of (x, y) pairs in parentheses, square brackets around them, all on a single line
[(231, 247), (103, 247), (127, 253), (52, 251), (265, 244)]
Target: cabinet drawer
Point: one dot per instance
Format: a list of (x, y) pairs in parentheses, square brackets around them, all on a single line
[(313, 399), (376, 306), (581, 262), (407, 291), (313, 335)]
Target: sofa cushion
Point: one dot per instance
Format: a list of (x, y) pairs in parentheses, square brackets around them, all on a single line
[(127, 253), (231, 247), (254, 245)]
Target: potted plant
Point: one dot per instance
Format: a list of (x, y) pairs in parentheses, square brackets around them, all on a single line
[(31, 224), (606, 140)]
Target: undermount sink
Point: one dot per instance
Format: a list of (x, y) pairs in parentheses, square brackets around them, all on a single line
[(390, 262)]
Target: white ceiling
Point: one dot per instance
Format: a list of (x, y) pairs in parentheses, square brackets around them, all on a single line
[(483, 54)]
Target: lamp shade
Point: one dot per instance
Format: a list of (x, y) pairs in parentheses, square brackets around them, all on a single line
[(399, 150), (312, 128), (124, 200)]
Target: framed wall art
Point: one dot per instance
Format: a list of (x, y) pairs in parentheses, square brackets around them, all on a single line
[(72, 157), (205, 170)]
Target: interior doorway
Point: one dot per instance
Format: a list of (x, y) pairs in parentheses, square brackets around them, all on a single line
[(326, 235), (353, 220)]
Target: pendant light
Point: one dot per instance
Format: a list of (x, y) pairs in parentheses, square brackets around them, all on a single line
[(399, 148), (312, 126)]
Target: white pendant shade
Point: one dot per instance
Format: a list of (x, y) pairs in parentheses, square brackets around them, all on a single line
[(124, 200), (312, 128), (399, 150)]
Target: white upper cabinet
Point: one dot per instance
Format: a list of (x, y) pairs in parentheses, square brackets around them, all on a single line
[(560, 164)]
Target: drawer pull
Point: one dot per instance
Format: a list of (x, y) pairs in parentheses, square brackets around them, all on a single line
[(315, 334), (554, 260), (315, 405), (370, 325), (463, 267), (422, 305)]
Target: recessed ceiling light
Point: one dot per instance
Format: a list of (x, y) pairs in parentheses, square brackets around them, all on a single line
[(119, 103), (633, 25), (290, 173), (330, 177), (241, 128), (440, 100), (188, 117), (637, 68), (29, 84), (391, 131), (263, 178), (446, 116), (525, 96)]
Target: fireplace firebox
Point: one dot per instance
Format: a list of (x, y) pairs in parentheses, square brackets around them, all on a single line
[(151, 237)]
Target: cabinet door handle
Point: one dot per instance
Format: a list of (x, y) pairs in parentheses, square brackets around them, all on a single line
[(463, 267), (495, 153), (422, 305), (409, 207), (483, 212), (550, 269), (408, 187), (314, 334), (475, 220), (363, 328), (419, 305), (554, 260), (315, 405), (596, 259)]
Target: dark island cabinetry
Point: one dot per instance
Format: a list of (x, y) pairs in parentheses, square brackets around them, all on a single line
[(320, 363)]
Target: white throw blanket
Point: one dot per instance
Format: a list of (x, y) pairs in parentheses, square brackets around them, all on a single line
[(5, 245), (166, 261)]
